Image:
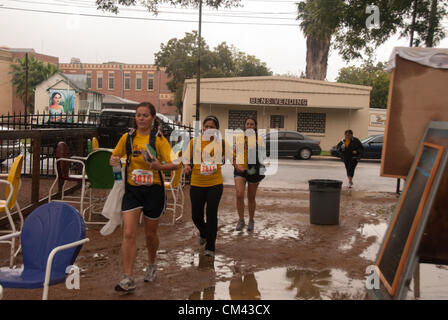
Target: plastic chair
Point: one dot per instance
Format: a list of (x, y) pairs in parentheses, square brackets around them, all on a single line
[(100, 176), (13, 183), (64, 173), (175, 187), (51, 238)]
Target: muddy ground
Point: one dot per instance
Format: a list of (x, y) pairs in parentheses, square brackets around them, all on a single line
[(286, 257)]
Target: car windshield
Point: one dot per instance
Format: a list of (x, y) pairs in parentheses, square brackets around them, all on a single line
[(367, 139)]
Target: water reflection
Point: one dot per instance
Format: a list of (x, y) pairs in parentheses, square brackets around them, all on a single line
[(308, 283), (206, 294), (244, 287)]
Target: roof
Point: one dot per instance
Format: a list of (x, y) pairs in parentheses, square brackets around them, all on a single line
[(110, 99)]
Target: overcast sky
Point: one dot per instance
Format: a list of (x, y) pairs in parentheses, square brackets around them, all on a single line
[(74, 28)]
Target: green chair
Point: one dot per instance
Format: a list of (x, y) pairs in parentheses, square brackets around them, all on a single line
[(100, 175)]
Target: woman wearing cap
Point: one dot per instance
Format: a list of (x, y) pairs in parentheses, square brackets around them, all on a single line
[(247, 170), (206, 185), (351, 149)]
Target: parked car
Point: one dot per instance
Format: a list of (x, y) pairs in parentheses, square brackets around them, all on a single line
[(293, 143), (373, 145), (9, 148), (114, 122)]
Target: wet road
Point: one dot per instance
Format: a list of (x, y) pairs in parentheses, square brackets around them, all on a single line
[(294, 174)]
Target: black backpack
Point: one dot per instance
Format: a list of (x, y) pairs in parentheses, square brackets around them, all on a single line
[(152, 142)]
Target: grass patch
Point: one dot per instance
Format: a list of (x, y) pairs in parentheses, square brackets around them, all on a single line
[(325, 153)]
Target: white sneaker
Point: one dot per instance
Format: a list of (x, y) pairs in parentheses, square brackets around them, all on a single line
[(126, 284), (150, 273)]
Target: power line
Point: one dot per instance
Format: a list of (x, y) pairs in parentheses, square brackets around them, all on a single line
[(212, 13), (149, 19)]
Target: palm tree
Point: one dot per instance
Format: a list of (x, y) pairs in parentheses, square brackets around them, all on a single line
[(320, 20), (37, 72)]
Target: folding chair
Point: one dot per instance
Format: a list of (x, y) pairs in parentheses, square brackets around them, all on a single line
[(12, 183), (100, 176), (51, 238), (65, 173)]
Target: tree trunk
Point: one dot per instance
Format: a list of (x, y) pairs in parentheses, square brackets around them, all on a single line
[(317, 57), (432, 24)]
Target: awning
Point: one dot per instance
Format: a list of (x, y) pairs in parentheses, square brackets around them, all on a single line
[(430, 57)]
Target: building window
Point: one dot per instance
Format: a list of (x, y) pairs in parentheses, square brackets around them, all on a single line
[(127, 81), (151, 81), (138, 81), (311, 122), (277, 121), (89, 80), (99, 80), (237, 118), (111, 80)]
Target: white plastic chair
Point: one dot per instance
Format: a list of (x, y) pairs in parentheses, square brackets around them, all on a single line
[(175, 187)]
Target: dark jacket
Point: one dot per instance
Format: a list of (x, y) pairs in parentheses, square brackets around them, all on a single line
[(355, 144)]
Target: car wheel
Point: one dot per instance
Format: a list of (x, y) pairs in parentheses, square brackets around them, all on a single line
[(305, 154)]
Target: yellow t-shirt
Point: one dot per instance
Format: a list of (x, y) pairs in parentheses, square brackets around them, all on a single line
[(242, 158), (205, 179), (163, 149)]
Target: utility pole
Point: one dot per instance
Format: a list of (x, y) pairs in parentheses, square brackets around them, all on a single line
[(26, 86), (414, 16), (198, 77)]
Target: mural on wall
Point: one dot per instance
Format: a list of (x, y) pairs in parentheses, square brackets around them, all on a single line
[(61, 105)]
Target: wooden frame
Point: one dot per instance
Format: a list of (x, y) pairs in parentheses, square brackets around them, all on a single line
[(392, 287)]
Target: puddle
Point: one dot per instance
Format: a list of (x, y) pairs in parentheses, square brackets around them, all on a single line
[(369, 230), (191, 259), (286, 284), (291, 202), (262, 231), (433, 283)]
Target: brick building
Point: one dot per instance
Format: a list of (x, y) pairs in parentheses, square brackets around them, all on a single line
[(137, 82), (8, 100)]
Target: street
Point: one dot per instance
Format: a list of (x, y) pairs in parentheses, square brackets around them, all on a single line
[(294, 174)]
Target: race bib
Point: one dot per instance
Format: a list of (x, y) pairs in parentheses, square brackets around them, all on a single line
[(142, 177), (208, 169)]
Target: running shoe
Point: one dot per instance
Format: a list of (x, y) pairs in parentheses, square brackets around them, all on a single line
[(150, 273), (209, 253), (240, 225), (250, 226), (126, 284)]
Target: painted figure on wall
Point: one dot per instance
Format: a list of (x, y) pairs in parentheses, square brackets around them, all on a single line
[(61, 105)]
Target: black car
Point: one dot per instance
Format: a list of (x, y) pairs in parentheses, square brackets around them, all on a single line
[(293, 143), (373, 146), (115, 122)]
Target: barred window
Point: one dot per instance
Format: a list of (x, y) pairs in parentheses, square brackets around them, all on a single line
[(237, 118), (277, 121), (311, 122)]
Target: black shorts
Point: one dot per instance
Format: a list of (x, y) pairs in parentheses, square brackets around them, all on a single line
[(151, 199), (249, 178)]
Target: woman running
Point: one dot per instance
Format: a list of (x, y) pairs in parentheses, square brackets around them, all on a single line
[(247, 172), (144, 191)]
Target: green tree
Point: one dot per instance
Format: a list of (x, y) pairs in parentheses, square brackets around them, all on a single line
[(341, 25), (37, 72), (179, 58), (369, 75)]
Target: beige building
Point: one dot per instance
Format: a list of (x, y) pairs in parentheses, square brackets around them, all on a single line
[(319, 109)]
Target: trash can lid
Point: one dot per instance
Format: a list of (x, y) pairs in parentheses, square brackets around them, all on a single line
[(325, 183)]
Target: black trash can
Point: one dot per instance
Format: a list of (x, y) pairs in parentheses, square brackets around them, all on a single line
[(325, 196)]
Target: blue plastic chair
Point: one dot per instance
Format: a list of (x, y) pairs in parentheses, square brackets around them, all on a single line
[(51, 239)]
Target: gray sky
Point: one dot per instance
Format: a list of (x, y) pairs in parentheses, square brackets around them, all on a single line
[(265, 29)]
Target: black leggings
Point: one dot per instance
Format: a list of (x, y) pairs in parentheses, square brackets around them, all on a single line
[(350, 165), (211, 196)]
